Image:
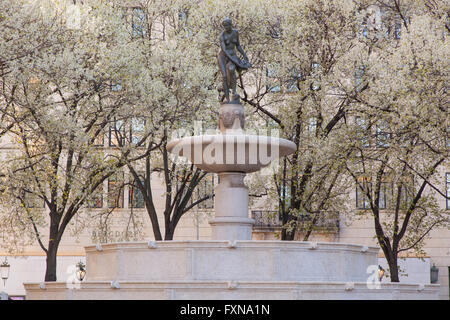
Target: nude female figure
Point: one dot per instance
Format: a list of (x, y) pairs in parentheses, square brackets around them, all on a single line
[(228, 60)]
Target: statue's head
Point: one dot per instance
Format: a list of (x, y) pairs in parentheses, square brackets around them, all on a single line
[(227, 24)]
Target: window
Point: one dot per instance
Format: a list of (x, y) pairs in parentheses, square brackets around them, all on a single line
[(398, 25), (312, 126), (273, 82), (404, 136), (389, 192), (32, 200), (116, 86), (116, 133), (447, 138), (95, 200), (99, 139), (388, 196), (407, 190), (183, 15), (138, 22), (293, 81), (371, 21), (385, 193), (397, 30), (363, 29), (137, 130), (447, 183), (135, 196), (316, 71), (362, 131), (362, 199), (285, 194), (291, 85), (115, 190), (359, 76), (383, 134)]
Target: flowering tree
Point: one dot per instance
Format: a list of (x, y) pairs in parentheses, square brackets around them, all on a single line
[(177, 83), (56, 85), (88, 70), (316, 38), (399, 132), (322, 66)]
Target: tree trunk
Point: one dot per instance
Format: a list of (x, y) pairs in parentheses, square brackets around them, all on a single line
[(393, 270), (393, 267), (168, 235), (283, 234), (290, 235), (170, 230), (50, 271), (287, 235), (308, 233), (153, 218), (53, 243)]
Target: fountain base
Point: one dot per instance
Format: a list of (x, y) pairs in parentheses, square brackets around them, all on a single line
[(251, 270)]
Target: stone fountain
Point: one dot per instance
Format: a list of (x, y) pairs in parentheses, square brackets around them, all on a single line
[(231, 265)]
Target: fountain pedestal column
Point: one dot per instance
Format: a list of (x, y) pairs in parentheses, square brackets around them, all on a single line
[(231, 221)]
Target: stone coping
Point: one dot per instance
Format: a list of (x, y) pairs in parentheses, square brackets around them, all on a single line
[(193, 284), (268, 244), (218, 290)]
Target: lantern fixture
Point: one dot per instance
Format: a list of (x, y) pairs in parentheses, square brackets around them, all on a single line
[(380, 273), (81, 270), (4, 270), (434, 274)]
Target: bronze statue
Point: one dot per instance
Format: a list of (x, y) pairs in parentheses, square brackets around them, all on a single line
[(229, 62)]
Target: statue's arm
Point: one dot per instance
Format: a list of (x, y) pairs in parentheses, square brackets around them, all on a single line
[(239, 48), (222, 43)]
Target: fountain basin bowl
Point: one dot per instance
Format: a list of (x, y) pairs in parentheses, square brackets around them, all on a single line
[(231, 152)]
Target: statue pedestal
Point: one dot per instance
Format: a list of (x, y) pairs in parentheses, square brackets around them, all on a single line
[(231, 220), (231, 117)]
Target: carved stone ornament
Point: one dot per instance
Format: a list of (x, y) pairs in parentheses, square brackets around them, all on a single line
[(231, 116)]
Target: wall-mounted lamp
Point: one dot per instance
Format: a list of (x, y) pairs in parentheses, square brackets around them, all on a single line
[(380, 273), (434, 274), (81, 270), (4, 270)]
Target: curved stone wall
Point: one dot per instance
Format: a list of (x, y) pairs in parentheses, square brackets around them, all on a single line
[(230, 261)]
